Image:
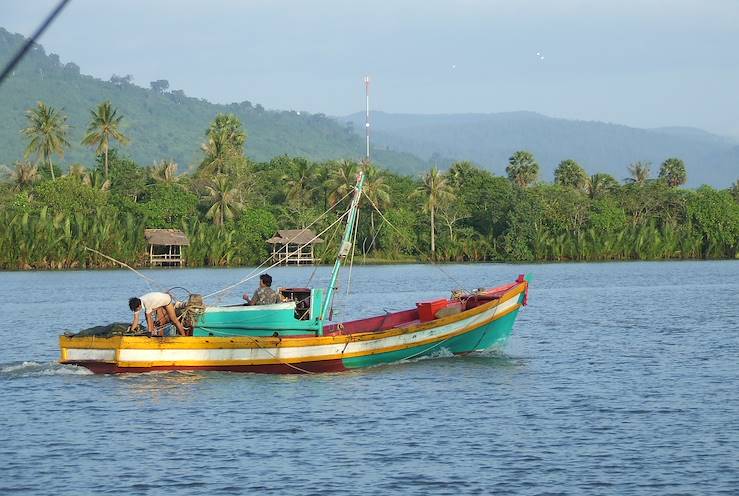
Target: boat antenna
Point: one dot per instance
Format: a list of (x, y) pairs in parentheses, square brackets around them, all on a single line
[(367, 119), (353, 238), (32, 40)]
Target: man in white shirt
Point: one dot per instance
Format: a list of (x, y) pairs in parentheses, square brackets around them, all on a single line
[(162, 303)]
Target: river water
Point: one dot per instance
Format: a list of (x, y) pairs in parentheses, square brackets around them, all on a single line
[(620, 378)]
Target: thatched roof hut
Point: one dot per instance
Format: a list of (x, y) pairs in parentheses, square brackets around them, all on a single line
[(294, 246), (165, 246)]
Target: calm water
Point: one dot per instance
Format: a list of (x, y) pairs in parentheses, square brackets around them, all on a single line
[(619, 379)]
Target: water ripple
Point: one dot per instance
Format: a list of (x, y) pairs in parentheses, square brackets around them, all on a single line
[(610, 385)]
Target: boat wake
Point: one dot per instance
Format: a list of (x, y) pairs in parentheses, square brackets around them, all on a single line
[(492, 356), (36, 369)]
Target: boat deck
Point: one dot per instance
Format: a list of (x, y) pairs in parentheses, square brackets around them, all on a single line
[(408, 318)]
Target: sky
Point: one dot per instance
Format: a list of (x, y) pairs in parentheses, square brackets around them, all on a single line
[(643, 63)]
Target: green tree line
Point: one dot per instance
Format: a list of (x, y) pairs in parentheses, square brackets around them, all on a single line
[(229, 205)]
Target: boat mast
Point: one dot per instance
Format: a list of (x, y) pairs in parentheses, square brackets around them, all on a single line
[(344, 249)]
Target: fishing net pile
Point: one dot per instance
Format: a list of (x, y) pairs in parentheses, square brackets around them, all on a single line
[(110, 330)]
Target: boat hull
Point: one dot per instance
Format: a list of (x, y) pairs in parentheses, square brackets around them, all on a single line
[(477, 329)]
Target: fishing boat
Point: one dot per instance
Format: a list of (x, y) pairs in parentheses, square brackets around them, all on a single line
[(297, 335)]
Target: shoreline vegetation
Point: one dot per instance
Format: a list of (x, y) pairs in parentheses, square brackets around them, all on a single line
[(229, 205)]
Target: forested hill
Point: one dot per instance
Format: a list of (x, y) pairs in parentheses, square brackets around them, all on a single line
[(489, 139), (163, 123)]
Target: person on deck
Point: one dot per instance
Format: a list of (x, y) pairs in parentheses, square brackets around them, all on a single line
[(162, 303), (264, 295)]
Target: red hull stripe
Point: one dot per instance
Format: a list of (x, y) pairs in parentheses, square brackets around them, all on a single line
[(275, 368)]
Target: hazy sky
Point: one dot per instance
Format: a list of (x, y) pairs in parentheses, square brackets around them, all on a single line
[(644, 63)]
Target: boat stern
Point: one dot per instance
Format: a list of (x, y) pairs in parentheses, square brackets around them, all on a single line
[(89, 351)]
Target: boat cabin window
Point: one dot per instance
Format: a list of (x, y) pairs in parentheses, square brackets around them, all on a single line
[(301, 297)]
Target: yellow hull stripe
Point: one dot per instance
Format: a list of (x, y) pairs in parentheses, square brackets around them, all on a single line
[(205, 363), (188, 343)]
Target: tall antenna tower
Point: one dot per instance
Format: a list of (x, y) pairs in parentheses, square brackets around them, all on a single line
[(366, 120)]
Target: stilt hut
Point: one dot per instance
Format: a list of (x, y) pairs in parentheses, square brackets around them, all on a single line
[(294, 246), (165, 247)]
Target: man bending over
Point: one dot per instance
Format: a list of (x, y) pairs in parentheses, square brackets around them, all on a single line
[(162, 303)]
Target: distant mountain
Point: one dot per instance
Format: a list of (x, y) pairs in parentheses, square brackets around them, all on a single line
[(489, 139), (161, 123), (164, 124)]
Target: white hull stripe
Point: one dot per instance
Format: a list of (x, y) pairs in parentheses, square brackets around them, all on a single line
[(90, 354), (289, 354)]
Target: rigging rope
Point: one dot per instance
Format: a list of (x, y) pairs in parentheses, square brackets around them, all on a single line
[(32, 40), (256, 342), (329, 243), (351, 259), (148, 280), (413, 244), (284, 247), (256, 271)]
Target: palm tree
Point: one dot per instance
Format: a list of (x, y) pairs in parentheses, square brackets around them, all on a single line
[(570, 175), (78, 171), (223, 198), (104, 125), (224, 144), (377, 191), (673, 172), (47, 129), (600, 184), (522, 168), (436, 191), (375, 187), (164, 171), (734, 189), (342, 180), (24, 175), (639, 173), (299, 183)]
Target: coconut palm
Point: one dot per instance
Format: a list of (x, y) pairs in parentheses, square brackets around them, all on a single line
[(375, 186), (639, 173), (47, 131), (436, 191), (342, 180), (672, 171), (164, 171), (224, 144), (223, 199), (299, 183), (522, 168), (105, 124), (24, 175), (377, 190)]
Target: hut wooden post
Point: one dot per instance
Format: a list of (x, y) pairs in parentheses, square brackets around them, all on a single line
[(297, 245), (165, 246)]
